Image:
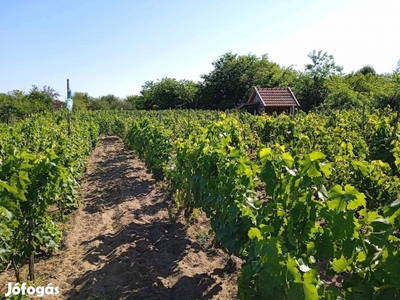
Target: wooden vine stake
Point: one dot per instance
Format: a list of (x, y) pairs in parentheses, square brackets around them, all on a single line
[(32, 257), (69, 108)]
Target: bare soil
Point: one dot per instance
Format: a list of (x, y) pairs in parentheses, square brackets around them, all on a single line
[(122, 244)]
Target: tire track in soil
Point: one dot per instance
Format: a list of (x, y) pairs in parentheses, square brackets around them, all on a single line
[(121, 244)]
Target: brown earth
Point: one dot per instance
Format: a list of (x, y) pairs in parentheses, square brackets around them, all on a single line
[(122, 244)]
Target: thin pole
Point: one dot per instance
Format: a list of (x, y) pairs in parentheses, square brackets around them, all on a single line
[(32, 257), (363, 117), (397, 120)]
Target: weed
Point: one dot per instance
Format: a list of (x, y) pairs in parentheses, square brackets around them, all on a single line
[(171, 215), (195, 215), (204, 237), (116, 224)]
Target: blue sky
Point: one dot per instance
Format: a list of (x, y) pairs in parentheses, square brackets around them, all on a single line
[(115, 46)]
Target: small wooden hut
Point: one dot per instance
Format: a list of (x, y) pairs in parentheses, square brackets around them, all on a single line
[(270, 100)]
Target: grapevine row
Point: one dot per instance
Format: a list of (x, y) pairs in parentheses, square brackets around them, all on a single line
[(310, 225)]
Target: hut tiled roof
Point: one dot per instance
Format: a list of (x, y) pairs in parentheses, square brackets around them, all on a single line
[(275, 97), (58, 104)]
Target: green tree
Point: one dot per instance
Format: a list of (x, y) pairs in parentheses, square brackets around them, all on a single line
[(13, 105), (368, 69), (362, 87), (98, 104), (40, 101), (168, 93), (340, 94), (147, 92), (311, 89), (7, 108), (111, 100), (46, 90), (50, 91), (229, 83), (388, 93), (17, 104), (17, 94), (189, 92), (81, 101), (372, 89), (135, 101), (266, 73), (234, 76)]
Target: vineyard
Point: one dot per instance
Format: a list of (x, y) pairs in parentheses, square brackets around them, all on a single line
[(310, 203)]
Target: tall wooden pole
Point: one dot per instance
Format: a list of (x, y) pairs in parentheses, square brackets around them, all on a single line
[(363, 117), (32, 257), (396, 123)]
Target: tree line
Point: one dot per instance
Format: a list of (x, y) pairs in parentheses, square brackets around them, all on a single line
[(321, 85), (18, 104)]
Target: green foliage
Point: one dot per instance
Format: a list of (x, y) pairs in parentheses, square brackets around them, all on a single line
[(265, 73), (303, 224), (81, 101), (311, 88), (152, 144), (318, 200), (40, 168), (321, 86), (363, 87), (340, 95), (328, 208), (211, 171), (40, 101), (136, 101), (233, 77), (17, 105), (368, 69), (168, 93)]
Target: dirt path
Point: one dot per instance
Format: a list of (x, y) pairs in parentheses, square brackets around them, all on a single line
[(120, 244)]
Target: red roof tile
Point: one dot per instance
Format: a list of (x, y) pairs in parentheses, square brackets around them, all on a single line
[(276, 97), (58, 104)]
